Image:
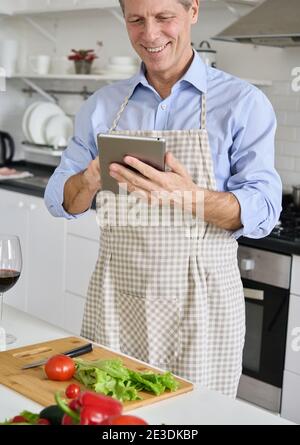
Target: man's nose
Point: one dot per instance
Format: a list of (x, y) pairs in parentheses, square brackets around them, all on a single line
[(151, 31)]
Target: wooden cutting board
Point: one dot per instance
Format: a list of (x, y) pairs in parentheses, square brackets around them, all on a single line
[(33, 383)]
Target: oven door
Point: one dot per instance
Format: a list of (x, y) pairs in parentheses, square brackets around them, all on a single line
[(266, 328), (266, 282)]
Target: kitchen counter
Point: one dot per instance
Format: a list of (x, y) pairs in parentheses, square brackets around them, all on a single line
[(199, 407), (35, 185)]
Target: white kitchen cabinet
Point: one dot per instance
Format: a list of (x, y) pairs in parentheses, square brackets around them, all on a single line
[(292, 358), (73, 309), (82, 247), (295, 281), (59, 257), (39, 290), (46, 268), (290, 407), (14, 220)]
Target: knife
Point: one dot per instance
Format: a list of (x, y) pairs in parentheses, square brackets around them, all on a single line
[(72, 353)]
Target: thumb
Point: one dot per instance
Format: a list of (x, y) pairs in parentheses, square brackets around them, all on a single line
[(175, 165)]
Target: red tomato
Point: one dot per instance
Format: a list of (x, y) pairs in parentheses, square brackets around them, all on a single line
[(72, 391), (19, 419), (60, 367), (124, 419)]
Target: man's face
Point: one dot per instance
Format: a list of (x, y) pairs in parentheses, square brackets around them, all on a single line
[(160, 33)]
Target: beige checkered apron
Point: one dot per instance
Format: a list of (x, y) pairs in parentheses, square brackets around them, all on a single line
[(172, 296)]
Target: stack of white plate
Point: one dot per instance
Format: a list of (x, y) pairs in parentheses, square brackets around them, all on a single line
[(121, 65), (45, 123)]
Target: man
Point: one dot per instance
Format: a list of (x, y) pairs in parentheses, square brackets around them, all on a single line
[(172, 296)]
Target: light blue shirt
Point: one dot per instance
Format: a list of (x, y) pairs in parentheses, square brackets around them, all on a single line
[(241, 125)]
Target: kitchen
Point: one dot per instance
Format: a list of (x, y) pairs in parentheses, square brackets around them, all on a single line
[(53, 29)]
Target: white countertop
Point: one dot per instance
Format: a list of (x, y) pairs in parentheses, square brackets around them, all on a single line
[(199, 407)]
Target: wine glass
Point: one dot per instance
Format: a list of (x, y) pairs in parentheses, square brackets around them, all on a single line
[(10, 270)]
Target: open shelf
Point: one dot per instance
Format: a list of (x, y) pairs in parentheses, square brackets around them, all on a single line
[(94, 77), (106, 77), (42, 7)]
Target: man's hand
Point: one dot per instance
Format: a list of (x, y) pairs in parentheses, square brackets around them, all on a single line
[(153, 184), (91, 176), (177, 187), (80, 189)]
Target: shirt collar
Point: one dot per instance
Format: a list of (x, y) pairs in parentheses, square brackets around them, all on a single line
[(196, 75)]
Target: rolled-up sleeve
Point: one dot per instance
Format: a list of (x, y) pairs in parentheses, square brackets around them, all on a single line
[(81, 150), (254, 180)]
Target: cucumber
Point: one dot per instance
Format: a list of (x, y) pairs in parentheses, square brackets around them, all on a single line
[(52, 413)]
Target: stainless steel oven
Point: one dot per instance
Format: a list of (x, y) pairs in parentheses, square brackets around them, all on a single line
[(266, 282)]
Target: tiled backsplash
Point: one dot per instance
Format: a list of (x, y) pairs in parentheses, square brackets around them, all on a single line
[(286, 104)]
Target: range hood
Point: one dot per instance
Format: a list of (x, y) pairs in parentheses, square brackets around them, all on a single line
[(272, 23)]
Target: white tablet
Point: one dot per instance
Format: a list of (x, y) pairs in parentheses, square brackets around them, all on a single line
[(113, 148)]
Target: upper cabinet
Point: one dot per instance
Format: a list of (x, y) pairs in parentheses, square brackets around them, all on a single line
[(20, 7)]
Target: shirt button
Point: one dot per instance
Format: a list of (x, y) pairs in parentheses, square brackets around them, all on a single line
[(163, 107)]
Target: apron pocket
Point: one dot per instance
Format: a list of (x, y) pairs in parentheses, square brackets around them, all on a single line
[(149, 328)]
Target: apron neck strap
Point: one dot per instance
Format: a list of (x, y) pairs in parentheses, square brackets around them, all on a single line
[(122, 108), (203, 111)]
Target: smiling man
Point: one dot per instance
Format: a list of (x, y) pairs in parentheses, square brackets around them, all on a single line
[(172, 296)]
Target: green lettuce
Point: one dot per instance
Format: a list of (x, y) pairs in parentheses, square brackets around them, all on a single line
[(112, 378)]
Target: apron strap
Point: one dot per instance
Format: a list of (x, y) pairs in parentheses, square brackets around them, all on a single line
[(203, 111), (122, 108)]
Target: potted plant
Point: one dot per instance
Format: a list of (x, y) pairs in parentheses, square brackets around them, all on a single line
[(83, 59)]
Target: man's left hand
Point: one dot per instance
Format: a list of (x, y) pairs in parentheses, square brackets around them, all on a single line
[(154, 185)]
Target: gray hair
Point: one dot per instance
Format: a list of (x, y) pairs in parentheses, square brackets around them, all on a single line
[(185, 3)]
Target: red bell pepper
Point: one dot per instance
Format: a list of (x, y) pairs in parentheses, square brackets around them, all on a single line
[(89, 408)]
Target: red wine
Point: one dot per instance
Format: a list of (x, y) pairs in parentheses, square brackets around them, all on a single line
[(8, 278)]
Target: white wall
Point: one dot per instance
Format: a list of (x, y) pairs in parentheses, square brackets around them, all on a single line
[(83, 29)]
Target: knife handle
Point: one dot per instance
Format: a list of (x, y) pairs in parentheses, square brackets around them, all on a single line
[(79, 351)]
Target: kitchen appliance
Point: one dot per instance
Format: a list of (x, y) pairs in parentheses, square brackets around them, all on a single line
[(272, 23), (266, 281), (288, 227), (296, 196), (7, 148), (32, 382)]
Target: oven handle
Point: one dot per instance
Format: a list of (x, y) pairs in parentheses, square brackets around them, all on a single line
[(254, 294)]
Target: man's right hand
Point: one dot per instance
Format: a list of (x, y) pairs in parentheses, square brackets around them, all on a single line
[(91, 176), (80, 189)]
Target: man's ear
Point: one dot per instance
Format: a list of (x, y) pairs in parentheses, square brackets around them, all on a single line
[(195, 11)]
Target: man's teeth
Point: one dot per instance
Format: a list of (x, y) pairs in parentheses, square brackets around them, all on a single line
[(156, 50)]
